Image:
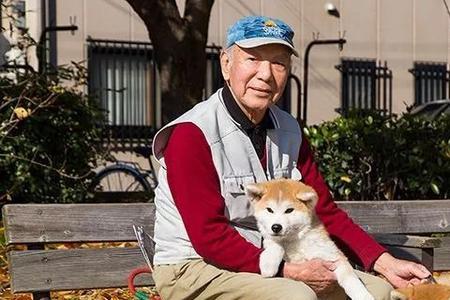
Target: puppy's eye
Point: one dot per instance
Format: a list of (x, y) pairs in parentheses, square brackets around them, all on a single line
[(269, 210), (289, 210)]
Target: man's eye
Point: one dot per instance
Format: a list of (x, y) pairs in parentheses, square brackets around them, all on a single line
[(288, 211), (269, 210)]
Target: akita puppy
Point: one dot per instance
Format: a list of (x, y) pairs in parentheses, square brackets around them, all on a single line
[(284, 211), (422, 292)]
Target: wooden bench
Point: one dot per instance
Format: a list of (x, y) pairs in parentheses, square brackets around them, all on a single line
[(37, 270), (404, 227)]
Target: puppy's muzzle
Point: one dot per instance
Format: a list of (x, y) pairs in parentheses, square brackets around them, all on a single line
[(276, 228)]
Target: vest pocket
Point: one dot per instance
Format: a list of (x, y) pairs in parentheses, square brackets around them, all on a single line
[(288, 173), (235, 185)]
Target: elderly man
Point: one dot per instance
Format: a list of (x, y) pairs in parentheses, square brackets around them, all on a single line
[(205, 249)]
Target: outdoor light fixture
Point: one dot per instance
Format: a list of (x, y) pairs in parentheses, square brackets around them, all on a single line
[(332, 10)]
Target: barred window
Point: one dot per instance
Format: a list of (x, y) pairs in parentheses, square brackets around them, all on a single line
[(365, 84), (431, 82), (123, 75)]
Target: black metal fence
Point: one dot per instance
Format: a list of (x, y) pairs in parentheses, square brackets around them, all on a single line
[(123, 75), (366, 85), (431, 82)]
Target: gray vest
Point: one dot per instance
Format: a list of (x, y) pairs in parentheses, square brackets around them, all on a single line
[(237, 165)]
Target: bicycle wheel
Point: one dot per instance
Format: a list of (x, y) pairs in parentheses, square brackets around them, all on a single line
[(120, 178)]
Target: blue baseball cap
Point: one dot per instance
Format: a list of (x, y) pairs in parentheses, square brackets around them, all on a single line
[(254, 31)]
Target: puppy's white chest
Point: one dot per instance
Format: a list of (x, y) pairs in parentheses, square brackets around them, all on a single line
[(309, 246)]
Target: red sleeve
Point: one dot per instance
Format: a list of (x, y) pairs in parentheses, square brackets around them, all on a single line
[(195, 187), (349, 236)]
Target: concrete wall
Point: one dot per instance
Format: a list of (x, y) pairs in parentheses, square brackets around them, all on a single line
[(400, 32)]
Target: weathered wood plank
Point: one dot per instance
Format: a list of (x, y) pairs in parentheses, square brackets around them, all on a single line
[(121, 197), (413, 254), (53, 223), (442, 259), (445, 242), (74, 269), (418, 216), (408, 240)]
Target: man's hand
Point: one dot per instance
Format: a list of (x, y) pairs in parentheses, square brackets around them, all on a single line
[(316, 273), (400, 273)]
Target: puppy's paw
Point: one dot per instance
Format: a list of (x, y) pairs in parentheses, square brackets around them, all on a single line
[(269, 263), (396, 295)]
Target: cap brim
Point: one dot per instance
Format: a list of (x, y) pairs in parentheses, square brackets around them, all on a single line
[(256, 42)]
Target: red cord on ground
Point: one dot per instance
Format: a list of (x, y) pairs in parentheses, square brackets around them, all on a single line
[(133, 274)]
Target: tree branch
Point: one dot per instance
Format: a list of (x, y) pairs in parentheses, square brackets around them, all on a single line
[(59, 171)]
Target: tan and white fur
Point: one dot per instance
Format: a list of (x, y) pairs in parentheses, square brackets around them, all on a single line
[(284, 211), (422, 292)]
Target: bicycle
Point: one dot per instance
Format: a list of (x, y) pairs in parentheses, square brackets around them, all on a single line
[(123, 176)]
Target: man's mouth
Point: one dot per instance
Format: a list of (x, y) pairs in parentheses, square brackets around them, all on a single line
[(261, 90)]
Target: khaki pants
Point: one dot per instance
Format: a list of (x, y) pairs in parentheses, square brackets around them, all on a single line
[(196, 279)]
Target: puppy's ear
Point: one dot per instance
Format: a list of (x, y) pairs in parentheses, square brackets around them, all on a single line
[(309, 196), (254, 191)]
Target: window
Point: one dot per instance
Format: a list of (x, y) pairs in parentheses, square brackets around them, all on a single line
[(365, 85), (431, 82), (123, 75)]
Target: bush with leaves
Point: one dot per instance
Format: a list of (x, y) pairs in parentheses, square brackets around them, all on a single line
[(49, 136), (371, 157)]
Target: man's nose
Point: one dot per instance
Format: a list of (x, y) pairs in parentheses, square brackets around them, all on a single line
[(276, 228), (265, 70)]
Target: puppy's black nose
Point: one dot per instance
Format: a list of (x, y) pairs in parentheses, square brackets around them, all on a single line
[(276, 228)]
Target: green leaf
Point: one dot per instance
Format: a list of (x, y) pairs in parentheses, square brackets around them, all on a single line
[(306, 131), (435, 188), (347, 191)]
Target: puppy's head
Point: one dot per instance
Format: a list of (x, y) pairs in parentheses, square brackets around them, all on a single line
[(282, 207)]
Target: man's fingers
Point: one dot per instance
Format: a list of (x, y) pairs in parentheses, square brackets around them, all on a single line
[(330, 265), (420, 271), (415, 281)]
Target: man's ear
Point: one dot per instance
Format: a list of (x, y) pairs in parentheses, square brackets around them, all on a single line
[(225, 63), (254, 191)]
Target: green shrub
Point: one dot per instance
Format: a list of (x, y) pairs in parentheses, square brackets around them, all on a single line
[(373, 157), (49, 137)]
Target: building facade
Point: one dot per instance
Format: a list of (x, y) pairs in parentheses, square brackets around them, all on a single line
[(396, 52)]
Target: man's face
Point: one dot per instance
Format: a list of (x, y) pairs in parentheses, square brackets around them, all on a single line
[(257, 76)]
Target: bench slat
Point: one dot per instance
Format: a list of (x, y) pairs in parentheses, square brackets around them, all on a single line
[(442, 259), (418, 216), (413, 254), (46, 270), (408, 240), (37, 223)]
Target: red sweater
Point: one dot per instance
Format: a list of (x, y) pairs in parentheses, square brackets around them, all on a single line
[(195, 187)]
